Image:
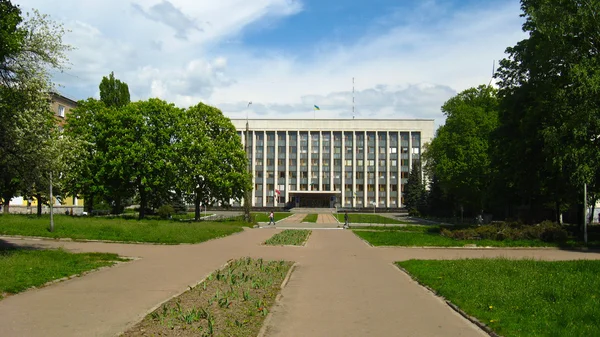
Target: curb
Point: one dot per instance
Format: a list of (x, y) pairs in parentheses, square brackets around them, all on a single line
[(265, 326), (454, 307)]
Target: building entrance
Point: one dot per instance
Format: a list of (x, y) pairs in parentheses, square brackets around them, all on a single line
[(314, 200)]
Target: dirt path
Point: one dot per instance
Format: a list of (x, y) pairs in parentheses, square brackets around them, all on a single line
[(341, 287)]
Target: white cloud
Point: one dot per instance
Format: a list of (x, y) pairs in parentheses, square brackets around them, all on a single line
[(406, 66)]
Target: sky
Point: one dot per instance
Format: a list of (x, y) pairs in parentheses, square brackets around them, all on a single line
[(402, 58)]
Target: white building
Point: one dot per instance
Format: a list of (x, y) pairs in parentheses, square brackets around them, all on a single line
[(332, 162)]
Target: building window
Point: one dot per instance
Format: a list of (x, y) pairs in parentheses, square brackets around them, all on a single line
[(393, 162), (61, 111), (348, 162), (359, 162), (392, 150)]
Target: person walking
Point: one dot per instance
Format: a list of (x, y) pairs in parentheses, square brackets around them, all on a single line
[(346, 220), (271, 218)]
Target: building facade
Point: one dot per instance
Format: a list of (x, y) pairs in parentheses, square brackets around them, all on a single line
[(358, 163)]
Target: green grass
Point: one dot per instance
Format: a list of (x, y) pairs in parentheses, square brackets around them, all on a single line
[(233, 301), (424, 239), (293, 237), (368, 218), (23, 269), (417, 229), (519, 298), (310, 218), (264, 217), (117, 229)]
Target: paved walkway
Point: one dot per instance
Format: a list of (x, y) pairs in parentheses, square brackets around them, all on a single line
[(341, 287), (326, 219)]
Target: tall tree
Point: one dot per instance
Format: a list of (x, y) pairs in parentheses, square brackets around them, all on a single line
[(414, 191), (459, 155), (113, 92), (30, 48), (550, 111), (211, 159)]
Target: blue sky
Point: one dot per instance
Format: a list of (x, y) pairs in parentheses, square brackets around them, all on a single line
[(407, 56)]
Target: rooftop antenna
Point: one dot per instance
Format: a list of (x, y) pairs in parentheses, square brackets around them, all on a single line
[(352, 97), (249, 103)]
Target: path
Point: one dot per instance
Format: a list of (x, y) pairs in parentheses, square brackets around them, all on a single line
[(341, 287)]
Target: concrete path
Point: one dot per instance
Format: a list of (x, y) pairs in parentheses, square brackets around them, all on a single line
[(341, 287)]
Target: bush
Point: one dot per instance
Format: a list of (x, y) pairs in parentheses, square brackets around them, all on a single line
[(165, 211), (546, 231)]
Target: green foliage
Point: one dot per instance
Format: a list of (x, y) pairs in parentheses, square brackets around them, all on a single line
[(30, 48), (113, 92), (294, 237), (118, 229), (354, 218), (165, 211), (23, 269), (547, 144), (211, 162), (519, 298), (459, 155), (546, 231), (414, 191), (11, 35)]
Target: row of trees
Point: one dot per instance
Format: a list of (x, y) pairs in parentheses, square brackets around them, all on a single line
[(112, 151), (526, 149), (30, 47), (152, 152)]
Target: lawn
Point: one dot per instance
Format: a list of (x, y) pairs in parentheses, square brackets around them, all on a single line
[(420, 238), (264, 217), (368, 219), (291, 237), (23, 269), (117, 229), (310, 218), (233, 301), (519, 297)]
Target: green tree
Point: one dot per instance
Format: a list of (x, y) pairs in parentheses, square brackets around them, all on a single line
[(550, 111), (11, 35), (211, 160), (30, 48), (414, 191), (459, 155), (113, 92)]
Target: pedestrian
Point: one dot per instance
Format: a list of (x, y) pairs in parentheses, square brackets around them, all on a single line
[(346, 225), (271, 218)]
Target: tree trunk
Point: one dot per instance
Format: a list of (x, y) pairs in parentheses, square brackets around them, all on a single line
[(197, 207), (558, 214), (143, 203), (117, 206), (5, 205), (591, 215), (38, 197), (90, 203)]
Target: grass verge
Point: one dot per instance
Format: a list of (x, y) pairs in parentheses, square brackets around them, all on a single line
[(23, 269), (264, 217), (519, 297), (117, 229), (289, 237), (233, 301), (368, 218), (310, 218)]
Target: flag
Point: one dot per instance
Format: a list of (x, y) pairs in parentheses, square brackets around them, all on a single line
[(317, 108), (277, 191)]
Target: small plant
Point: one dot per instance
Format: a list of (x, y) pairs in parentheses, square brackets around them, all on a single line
[(165, 211), (293, 237)]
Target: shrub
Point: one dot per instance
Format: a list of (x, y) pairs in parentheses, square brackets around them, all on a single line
[(165, 211), (546, 231)]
